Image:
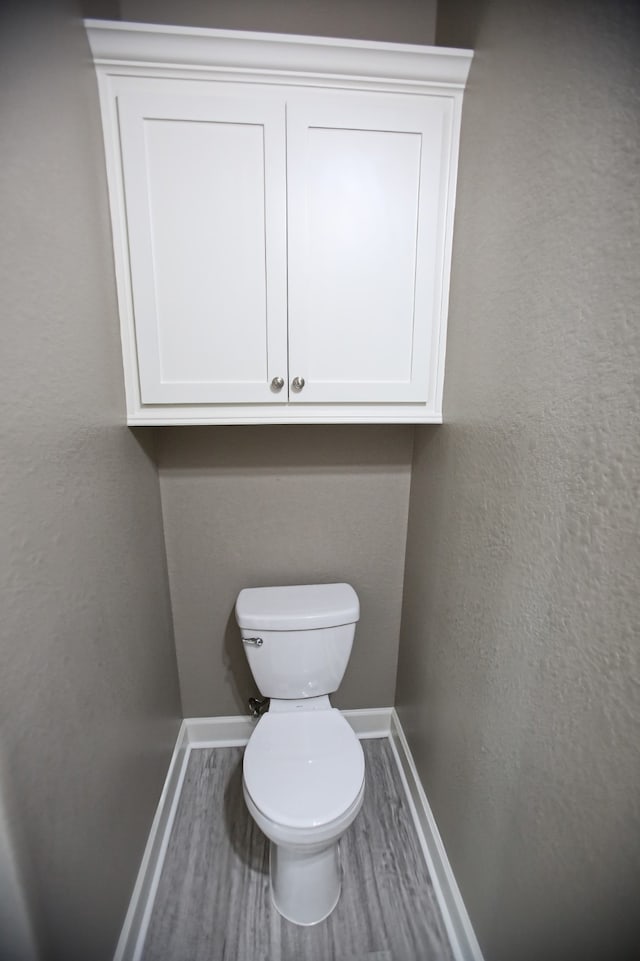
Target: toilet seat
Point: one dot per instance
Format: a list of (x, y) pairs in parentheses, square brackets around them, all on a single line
[(303, 769)]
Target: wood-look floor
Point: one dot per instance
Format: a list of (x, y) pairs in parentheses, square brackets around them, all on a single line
[(213, 901)]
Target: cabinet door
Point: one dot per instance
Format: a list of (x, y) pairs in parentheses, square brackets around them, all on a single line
[(205, 194), (366, 180)]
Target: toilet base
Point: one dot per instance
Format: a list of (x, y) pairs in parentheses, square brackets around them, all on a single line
[(305, 881)]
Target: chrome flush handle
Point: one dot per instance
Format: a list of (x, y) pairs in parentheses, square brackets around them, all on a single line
[(254, 641)]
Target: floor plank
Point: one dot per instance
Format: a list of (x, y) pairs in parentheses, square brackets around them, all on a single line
[(213, 901)]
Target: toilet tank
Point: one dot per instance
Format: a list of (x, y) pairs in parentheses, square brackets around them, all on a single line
[(298, 639)]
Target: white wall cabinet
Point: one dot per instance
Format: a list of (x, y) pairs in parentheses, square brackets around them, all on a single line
[(282, 215)]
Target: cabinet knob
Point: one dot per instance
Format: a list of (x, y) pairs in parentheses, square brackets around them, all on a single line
[(297, 384), (277, 383)]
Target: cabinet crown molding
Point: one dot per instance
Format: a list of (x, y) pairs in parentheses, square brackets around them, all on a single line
[(120, 44)]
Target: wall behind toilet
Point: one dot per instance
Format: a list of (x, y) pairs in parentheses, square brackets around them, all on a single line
[(252, 506), (268, 505)]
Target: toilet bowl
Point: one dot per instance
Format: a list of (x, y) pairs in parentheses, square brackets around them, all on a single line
[(303, 781), (303, 768)]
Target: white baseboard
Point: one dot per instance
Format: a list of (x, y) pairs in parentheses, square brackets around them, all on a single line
[(236, 731), (219, 731), (135, 925), (202, 732), (461, 934), (370, 722)]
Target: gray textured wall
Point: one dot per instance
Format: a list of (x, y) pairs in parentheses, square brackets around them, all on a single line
[(252, 506), (403, 21), (89, 703), (518, 680)]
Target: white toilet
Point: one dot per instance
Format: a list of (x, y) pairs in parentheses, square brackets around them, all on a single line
[(303, 766)]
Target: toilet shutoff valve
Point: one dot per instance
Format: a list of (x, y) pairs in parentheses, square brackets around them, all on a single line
[(258, 705)]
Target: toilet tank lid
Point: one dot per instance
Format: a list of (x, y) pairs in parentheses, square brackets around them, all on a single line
[(298, 608)]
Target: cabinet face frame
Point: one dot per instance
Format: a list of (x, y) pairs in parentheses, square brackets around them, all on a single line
[(126, 54)]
